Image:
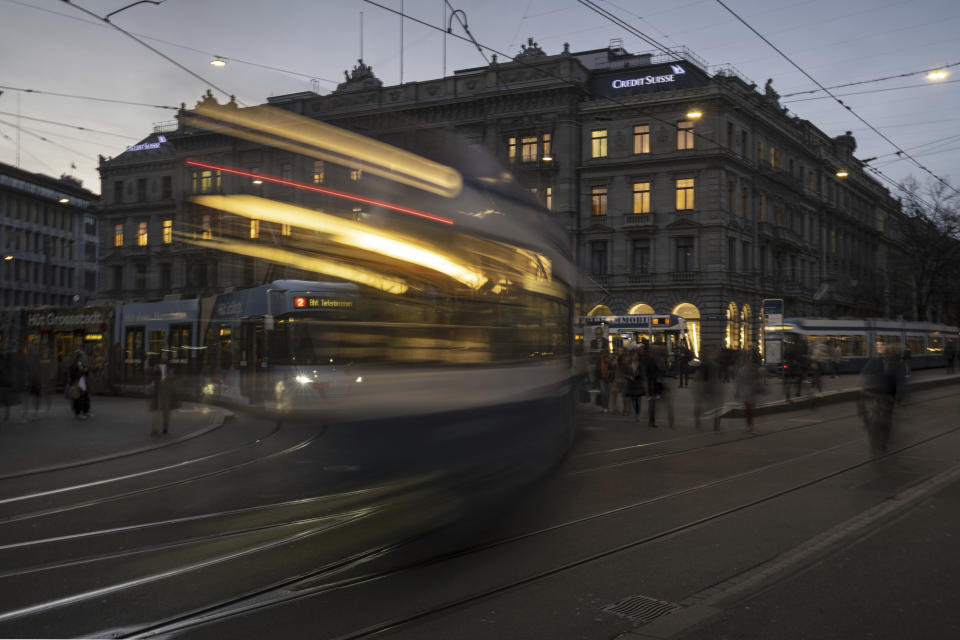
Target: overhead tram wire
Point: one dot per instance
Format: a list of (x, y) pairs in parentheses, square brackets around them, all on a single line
[(178, 45), (156, 51), (78, 97), (37, 135), (621, 23), (859, 82), (839, 101), (71, 126), (565, 81), (860, 93)]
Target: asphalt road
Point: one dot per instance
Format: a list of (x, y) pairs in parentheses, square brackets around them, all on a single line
[(419, 532)]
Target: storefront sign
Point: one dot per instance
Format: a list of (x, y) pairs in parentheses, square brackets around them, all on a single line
[(148, 145), (57, 320)]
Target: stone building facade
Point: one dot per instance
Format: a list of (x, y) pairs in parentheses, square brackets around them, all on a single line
[(683, 191), (48, 240)]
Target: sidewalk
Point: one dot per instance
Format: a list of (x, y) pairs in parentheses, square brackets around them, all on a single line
[(840, 389), (117, 426)]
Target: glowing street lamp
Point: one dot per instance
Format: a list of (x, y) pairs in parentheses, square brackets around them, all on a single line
[(63, 200), (842, 173), (218, 62), (937, 74), (694, 114)]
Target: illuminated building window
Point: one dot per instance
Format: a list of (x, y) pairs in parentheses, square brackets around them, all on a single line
[(205, 181), (206, 227), (317, 171), (685, 194), (284, 229), (598, 201), (118, 235), (254, 229), (528, 148), (167, 231), (356, 174), (641, 138), (548, 198), (142, 234), (598, 143), (684, 135), (547, 145), (512, 149), (641, 197)]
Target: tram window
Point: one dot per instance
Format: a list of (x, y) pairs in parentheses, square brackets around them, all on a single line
[(916, 345), (935, 345), (154, 343), (179, 341)]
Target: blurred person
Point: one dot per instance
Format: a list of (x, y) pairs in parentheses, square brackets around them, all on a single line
[(635, 382), (684, 356), (162, 399), (749, 387), (906, 359), (950, 353), (658, 385), (819, 361), (604, 376), (34, 380), (78, 390), (882, 382), (708, 390), (618, 384), (48, 376), (835, 359), (795, 365)]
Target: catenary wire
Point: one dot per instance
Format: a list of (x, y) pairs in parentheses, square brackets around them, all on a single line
[(71, 126), (839, 101), (37, 135), (860, 93), (78, 97), (859, 82)]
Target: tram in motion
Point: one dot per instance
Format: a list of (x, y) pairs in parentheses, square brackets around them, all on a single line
[(857, 339), (667, 330)]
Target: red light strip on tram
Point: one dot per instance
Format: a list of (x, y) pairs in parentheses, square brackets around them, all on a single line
[(332, 192)]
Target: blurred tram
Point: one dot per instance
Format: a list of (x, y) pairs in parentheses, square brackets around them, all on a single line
[(857, 339)]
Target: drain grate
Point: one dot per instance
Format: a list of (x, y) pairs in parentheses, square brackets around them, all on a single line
[(641, 609)]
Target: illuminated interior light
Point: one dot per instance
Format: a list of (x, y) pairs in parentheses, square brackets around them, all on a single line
[(332, 192), (303, 380), (694, 114), (257, 181), (346, 232), (309, 137), (64, 200), (842, 173), (307, 263)]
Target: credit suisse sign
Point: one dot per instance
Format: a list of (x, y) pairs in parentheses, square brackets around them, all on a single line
[(667, 77)]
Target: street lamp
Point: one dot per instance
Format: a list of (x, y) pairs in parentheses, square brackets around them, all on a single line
[(842, 173), (937, 74), (218, 62), (694, 114), (63, 200)]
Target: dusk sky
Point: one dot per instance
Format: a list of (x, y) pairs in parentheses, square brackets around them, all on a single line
[(273, 48)]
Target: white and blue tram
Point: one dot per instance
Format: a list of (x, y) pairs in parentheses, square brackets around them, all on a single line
[(857, 339), (635, 329)]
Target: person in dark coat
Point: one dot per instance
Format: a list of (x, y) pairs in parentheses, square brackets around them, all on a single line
[(78, 388), (683, 363), (708, 390), (883, 383), (162, 399)]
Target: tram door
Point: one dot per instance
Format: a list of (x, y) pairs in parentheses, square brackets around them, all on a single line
[(133, 354)]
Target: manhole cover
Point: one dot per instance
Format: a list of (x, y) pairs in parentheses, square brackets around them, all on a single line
[(641, 609)]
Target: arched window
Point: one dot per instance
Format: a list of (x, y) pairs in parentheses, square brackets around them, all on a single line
[(600, 310), (691, 314), (746, 327), (732, 338), (640, 308)]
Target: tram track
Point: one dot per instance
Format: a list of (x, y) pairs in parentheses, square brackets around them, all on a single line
[(307, 587)]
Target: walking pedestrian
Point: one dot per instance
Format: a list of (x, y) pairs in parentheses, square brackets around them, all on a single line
[(635, 383), (707, 389), (749, 388), (604, 376), (618, 384), (835, 359), (78, 390), (161, 401), (883, 382), (683, 363)]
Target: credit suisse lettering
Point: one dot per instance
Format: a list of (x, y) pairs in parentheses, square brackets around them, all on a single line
[(645, 80)]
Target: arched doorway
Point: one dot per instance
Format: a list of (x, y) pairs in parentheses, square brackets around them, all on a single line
[(746, 328), (600, 310), (732, 334), (691, 314), (640, 308)]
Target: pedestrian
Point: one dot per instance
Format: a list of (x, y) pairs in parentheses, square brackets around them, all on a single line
[(604, 376), (835, 359), (683, 363), (883, 382), (950, 353), (34, 380), (749, 387), (708, 389), (819, 361), (618, 384), (635, 382), (161, 401), (78, 390)]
